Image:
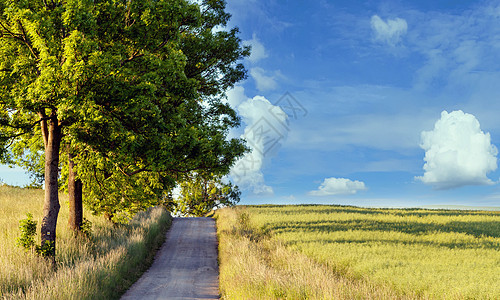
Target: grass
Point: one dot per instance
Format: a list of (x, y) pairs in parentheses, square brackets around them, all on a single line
[(254, 265), (100, 267), (378, 253)]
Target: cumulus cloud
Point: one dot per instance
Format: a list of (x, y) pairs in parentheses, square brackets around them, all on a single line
[(247, 174), (264, 132), (389, 31), (457, 152), (338, 186), (236, 96), (263, 81), (259, 52)]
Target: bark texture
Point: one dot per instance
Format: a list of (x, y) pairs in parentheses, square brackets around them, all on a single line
[(52, 139), (75, 188)]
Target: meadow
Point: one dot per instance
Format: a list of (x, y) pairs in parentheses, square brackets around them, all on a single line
[(101, 266), (360, 252)]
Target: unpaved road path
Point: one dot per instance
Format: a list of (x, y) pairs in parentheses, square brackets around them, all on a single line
[(185, 267)]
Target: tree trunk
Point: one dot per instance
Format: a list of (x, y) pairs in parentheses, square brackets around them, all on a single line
[(75, 197), (51, 131)]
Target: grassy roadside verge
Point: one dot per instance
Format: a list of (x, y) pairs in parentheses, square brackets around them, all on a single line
[(101, 267), (253, 265)]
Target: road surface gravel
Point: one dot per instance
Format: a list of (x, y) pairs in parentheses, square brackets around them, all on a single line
[(185, 267)]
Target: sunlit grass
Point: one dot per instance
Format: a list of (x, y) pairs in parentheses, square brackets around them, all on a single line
[(101, 267), (253, 265), (429, 253)]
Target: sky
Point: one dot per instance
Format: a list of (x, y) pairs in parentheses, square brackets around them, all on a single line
[(367, 103)]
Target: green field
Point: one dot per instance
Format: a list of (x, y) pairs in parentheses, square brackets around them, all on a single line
[(415, 253)]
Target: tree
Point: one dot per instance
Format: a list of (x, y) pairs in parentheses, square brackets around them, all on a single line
[(130, 90), (32, 93), (200, 194), (186, 119)]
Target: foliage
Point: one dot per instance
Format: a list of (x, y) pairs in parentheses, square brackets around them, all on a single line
[(86, 227), (27, 239), (428, 253), (176, 121), (132, 89), (101, 267), (200, 194), (28, 152), (28, 232), (46, 249)]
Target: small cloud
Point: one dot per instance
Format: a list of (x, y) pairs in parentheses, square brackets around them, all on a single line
[(258, 51), (389, 32), (263, 81), (338, 186), (457, 152)]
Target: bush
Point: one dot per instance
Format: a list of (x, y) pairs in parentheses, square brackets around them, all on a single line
[(28, 232)]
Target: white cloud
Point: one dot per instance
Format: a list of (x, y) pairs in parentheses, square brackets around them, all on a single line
[(264, 132), (338, 186), (462, 53), (263, 81), (457, 152), (236, 96), (258, 50), (247, 174), (389, 32)]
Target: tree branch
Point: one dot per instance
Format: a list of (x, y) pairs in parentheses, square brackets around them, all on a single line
[(136, 55), (134, 172), (99, 184), (8, 31), (26, 130), (26, 40), (24, 127), (13, 136), (131, 58), (44, 127)]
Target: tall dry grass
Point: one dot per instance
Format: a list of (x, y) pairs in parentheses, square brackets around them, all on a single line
[(253, 265), (100, 267), (437, 254), (432, 254)]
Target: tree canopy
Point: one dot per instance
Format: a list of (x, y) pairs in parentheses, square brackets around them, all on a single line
[(130, 90)]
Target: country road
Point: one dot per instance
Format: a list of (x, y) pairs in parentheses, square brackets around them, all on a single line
[(186, 265)]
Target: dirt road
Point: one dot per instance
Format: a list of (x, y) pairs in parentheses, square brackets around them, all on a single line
[(186, 265)]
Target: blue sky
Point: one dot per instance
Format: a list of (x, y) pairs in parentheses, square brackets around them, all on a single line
[(339, 94), (367, 78)]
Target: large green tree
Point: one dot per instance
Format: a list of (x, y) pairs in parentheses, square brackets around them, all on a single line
[(187, 121), (130, 90)]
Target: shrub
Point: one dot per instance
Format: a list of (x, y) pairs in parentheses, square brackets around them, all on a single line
[(28, 232)]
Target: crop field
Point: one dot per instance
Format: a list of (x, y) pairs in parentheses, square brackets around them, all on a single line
[(101, 266), (398, 253)]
